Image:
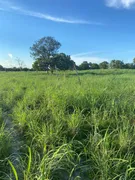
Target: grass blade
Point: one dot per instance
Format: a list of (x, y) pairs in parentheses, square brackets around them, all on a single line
[(29, 160), (13, 169)]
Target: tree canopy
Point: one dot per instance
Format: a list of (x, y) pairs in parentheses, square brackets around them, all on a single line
[(44, 48), (134, 61), (45, 54), (116, 64), (104, 65), (1, 68), (60, 61), (63, 61), (84, 66)]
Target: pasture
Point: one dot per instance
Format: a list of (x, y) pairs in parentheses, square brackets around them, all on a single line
[(57, 127)]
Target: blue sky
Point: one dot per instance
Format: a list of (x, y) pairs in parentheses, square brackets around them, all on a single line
[(92, 30)]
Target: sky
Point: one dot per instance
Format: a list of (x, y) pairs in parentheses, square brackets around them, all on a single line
[(89, 30)]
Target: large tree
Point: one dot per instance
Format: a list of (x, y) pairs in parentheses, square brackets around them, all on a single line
[(43, 52), (41, 64), (45, 48), (60, 61)]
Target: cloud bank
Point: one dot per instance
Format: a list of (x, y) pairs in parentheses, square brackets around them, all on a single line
[(120, 3)]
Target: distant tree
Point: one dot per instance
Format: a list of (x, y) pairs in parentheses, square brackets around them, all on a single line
[(63, 61), (134, 61), (59, 61), (94, 66), (44, 50), (21, 64), (84, 66), (25, 69), (104, 65), (90, 65), (41, 65), (1, 68), (15, 69), (129, 66), (116, 64)]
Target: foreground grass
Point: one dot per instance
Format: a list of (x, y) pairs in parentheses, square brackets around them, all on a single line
[(53, 127)]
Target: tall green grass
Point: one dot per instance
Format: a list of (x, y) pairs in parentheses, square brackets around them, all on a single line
[(73, 130)]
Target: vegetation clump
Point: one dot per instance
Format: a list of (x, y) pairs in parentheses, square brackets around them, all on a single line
[(55, 128)]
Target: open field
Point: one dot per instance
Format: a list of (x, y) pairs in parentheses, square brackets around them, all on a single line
[(52, 127)]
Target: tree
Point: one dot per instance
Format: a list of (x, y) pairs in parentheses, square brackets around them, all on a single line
[(134, 61), (1, 68), (104, 65), (94, 66), (63, 61), (129, 66), (21, 64), (44, 50), (116, 64), (36, 66), (60, 61), (84, 66), (40, 65)]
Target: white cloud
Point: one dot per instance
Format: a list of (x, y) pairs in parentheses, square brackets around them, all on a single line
[(94, 59), (51, 18), (82, 54), (10, 55), (120, 3), (7, 6), (90, 53)]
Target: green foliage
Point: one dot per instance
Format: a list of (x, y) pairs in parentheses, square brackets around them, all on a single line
[(42, 51), (45, 54), (116, 64), (104, 65), (129, 66), (71, 130), (63, 62), (1, 68), (59, 61), (44, 48), (134, 61), (13, 169), (84, 66), (94, 66), (41, 64)]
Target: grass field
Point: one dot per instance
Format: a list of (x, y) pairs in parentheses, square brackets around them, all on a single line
[(55, 127)]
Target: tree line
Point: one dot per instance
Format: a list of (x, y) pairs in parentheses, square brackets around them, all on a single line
[(47, 58), (15, 69), (114, 64)]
